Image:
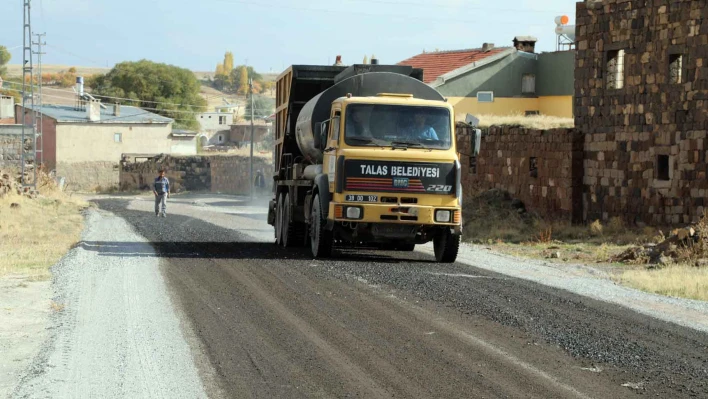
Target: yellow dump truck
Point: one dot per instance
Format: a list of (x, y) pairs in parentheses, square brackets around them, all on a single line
[(365, 156)]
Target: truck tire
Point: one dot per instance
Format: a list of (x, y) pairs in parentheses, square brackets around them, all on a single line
[(320, 239), (279, 220), (292, 232), (446, 246)]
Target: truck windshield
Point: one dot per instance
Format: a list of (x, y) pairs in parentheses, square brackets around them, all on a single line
[(378, 125)]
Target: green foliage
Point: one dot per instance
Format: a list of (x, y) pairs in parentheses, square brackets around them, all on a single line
[(5, 57), (262, 107), (153, 85)]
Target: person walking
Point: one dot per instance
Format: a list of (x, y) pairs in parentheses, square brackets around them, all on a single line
[(260, 182), (162, 192)]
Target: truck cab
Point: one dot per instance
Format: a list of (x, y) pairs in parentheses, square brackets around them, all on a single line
[(384, 173)]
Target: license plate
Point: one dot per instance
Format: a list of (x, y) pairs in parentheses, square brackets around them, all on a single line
[(362, 198), (400, 182)]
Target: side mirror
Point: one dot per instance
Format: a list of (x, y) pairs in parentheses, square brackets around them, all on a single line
[(323, 135)]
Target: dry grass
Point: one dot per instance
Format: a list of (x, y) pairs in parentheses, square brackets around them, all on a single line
[(541, 122), (678, 281), (37, 234), (492, 219)]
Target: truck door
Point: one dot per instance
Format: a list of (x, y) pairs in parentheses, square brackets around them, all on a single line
[(330, 154)]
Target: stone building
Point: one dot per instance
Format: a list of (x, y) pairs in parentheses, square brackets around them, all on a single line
[(85, 145), (641, 99)]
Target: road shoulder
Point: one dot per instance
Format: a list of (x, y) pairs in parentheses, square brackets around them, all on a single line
[(114, 332)]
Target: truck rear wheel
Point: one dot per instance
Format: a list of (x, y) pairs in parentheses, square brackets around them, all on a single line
[(292, 232), (320, 241), (446, 246)]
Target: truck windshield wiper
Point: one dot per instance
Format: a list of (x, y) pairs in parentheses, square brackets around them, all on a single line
[(405, 144), (361, 140)]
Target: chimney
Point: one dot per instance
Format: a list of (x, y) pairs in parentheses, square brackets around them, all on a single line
[(374, 60), (80, 85), (116, 109), (339, 61), (525, 43), (487, 47), (93, 110)]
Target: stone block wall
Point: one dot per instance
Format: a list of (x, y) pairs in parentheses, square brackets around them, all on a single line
[(232, 174), (218, 173), (10, 147), (645, 143), (542, 168), (89, 176)]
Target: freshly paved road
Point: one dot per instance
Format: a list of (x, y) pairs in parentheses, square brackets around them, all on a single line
[(269, 322)]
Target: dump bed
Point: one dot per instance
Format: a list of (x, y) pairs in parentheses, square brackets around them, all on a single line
[(294, 88)]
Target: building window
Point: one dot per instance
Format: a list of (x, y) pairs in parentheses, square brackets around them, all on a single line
[(473, 165), (533, 167), (118, 137), (675, 68), (201, 116), (528, 84), (615, 69), (662, 168), (485, 97), (222, 120), (221, 138)]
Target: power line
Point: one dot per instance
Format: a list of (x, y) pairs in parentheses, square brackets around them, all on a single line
[(403, 16), (457, 7)]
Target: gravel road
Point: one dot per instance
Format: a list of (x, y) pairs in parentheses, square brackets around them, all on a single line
[(267, 322), (114, 332)]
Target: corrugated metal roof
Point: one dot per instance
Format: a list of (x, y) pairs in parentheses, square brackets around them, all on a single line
[(128, 114), (439, 63)]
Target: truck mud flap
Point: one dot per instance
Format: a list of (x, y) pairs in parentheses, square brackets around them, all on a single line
[(271, 213)]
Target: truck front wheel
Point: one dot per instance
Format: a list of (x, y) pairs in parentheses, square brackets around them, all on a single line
[(446, 246), (320, 239)]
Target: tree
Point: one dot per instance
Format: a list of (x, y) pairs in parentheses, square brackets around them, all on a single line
[(228, 62), (262, 107), (366, 60), (240, 76), (243, 81), (219, 69), (163, 89), (5, 57)]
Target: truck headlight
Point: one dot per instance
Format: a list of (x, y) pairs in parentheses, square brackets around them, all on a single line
[(443, 216), (353, 212)]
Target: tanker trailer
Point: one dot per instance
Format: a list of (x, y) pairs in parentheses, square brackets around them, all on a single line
[(365, 156)]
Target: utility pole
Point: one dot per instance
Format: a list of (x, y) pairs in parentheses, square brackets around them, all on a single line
[(28, 75), (250, 90), (40, 125)]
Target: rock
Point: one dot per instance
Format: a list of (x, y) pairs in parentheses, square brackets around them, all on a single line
[(14, 205), (702, 263), (555, 255), (664, 260)]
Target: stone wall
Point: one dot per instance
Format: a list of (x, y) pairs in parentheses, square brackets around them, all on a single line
[(218, 173), (10, 146), (231, 174), (645, 149), (89, 176), (541, 168)]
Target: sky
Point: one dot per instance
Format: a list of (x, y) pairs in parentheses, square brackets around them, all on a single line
[(270, 35)]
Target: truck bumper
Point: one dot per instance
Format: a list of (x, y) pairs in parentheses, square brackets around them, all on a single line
[(395, 214)]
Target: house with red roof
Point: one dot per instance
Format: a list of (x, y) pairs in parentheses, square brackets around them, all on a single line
[(502, 80)]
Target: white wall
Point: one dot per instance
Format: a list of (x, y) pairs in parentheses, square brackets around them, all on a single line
[(95, 142), (209, 121)]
